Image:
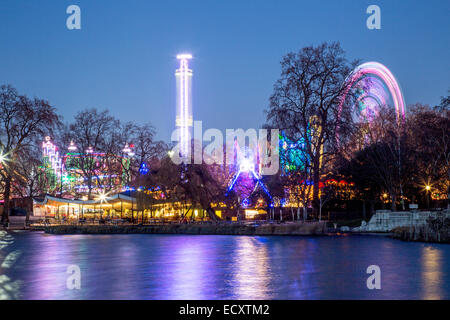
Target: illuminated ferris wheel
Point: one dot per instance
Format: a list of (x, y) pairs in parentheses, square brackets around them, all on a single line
[(373, 85)]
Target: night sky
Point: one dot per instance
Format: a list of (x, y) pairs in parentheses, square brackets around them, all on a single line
[(124, 57)]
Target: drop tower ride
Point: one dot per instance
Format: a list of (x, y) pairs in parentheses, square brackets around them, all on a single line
[(184, 103)]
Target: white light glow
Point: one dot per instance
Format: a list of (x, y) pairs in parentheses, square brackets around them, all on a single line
[(126, 149), (246, 165), (103, 197), (72, 146), (184, 56), (184, 109)]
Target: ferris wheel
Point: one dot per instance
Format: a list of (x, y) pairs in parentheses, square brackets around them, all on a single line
[(373, 86)]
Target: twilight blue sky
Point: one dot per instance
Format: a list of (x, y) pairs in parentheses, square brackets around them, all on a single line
[(124, 57)]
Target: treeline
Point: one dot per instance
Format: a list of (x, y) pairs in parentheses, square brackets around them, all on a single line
[(24, 122), (401, 163), (385, 158)]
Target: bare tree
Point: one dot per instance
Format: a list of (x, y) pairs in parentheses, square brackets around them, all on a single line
[(193, 185), (28, 181), (379, 161), (306, 102), (21, 120), (143, 149), (92, 133), (429, 137)]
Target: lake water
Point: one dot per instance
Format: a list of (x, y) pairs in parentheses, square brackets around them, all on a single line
[(34, 265)]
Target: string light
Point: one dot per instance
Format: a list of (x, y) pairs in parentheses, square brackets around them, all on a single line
[(49, 151)]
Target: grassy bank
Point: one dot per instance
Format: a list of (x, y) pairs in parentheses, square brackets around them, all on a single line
[(220, 229)]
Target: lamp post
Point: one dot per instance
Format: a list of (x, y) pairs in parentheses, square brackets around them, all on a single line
[(428, 188)]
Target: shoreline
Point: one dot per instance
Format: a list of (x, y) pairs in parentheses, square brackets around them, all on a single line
[(420, 234), (297, 229), (269, 229), (293, 229)]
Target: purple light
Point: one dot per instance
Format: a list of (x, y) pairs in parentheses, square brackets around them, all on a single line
[(247, 167), (381, 85)]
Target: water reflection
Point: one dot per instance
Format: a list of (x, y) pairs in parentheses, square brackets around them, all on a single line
[(9, 288), (251, 269), (33, 266), (47, 268), (187, 269), (432, 273)]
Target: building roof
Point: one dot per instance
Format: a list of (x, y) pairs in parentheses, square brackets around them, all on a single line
[(110, 199)]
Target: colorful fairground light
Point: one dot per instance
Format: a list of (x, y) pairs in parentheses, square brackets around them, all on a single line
[(374, 86), (247, 178), (63, 172), (293, 156)]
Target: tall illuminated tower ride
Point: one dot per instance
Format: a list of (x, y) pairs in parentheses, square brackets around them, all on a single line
[(184, 103)]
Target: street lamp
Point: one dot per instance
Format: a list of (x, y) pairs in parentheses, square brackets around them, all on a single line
[(3, 158), (428, 188), (103, 197)]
